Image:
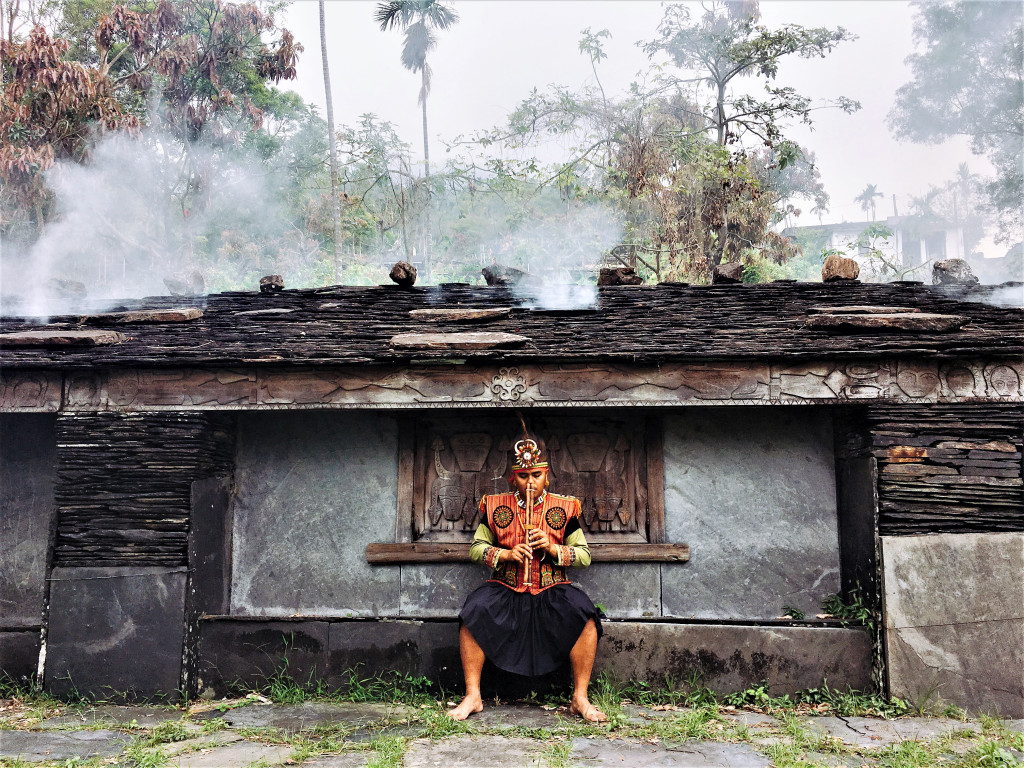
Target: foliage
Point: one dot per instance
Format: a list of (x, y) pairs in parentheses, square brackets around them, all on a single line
[(722, 46), (882, 265), (969, 81), (825, 699), (418, 19), (687, 201), (853, 610), (50, 110), (206, 60)]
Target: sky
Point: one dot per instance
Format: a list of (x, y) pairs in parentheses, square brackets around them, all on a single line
[(501, 49)]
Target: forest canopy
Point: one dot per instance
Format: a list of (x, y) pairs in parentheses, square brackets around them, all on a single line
[(150, 145)]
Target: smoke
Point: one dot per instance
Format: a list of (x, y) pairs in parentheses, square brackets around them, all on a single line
[(562, 254), (143, 211)]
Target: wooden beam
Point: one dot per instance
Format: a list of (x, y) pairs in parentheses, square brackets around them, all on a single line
[(451, 552)]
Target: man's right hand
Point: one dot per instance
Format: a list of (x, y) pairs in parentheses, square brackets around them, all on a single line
[(519, 553)]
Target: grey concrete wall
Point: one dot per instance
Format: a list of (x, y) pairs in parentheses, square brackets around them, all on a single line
[(752, 491), (235, 653), (28, 468), (312, 489), (954, 619)]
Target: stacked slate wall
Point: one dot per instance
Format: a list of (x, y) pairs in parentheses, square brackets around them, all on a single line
[(951, 524), (117, 610)]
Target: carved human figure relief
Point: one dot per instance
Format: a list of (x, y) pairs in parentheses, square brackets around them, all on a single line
[(1002, 381), (916, 380), (960, 381)]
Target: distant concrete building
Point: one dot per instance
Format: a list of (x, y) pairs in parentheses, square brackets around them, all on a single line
[(916, 241)]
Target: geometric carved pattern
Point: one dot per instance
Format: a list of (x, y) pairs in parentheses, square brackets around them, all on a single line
[(600, 460)]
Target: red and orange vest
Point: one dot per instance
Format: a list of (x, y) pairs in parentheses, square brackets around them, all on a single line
[(505, 518)]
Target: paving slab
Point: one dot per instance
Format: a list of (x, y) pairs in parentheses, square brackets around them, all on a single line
[(490, 751), (344, 760), (506, 716), (636, 714), (873, 732), (837, 761), (363, 735), (299, 717), (632, 754), (206, 741), (36, 746), (142, 717), (239, 755), (1014, 725), (750, 719)]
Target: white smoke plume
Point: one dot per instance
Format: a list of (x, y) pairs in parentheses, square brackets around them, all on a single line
[(562, 255), (132, 217)]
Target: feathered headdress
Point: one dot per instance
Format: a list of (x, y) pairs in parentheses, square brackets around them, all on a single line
[(527, 454)]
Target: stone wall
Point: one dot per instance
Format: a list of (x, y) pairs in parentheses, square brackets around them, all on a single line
[(723, 658), (28, 460)]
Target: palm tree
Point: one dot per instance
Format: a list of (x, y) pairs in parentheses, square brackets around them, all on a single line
[(867, 199), (418, 18), (335, 200)]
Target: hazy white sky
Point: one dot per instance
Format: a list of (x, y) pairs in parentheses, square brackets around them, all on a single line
[(501, 49)]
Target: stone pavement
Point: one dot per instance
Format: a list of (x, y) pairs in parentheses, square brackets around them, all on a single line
[(253, 732)]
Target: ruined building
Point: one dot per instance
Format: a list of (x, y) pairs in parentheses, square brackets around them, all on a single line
[(201, 493)]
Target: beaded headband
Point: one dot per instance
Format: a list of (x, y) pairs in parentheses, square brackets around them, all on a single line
[(528, 456)]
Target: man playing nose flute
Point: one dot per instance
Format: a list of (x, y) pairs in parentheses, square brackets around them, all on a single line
[(527, 617)]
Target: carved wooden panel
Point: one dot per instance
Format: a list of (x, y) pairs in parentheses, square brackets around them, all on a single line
[(602, 461)]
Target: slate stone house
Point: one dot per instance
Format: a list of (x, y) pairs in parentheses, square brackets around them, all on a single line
[(199, 493)]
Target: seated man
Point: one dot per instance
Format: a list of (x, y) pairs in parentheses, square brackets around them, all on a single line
[(527, 618)]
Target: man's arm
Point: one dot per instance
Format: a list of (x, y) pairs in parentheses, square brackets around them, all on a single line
[(575, 552), (484, 548)]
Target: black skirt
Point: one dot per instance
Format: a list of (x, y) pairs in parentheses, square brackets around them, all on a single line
[(528, 634)]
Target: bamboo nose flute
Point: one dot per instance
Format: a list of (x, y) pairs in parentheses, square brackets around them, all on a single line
[(527, 527)]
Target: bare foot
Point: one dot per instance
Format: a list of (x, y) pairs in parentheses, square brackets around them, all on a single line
[(468, 706), (583, 708)]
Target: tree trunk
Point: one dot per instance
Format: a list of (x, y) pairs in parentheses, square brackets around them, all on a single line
[(335, 197), (720, 114), (427, 277)]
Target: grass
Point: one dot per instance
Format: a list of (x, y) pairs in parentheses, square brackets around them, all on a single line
[(396, 687), (387, 752), (689, 711)]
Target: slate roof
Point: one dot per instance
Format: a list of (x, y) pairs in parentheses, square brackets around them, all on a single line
[(349, 325)]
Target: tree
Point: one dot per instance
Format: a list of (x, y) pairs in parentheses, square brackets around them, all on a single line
[(419, 19), (331, 142), (969, 81), (195, 73), (726, 44), (50, 110), (867, 200)]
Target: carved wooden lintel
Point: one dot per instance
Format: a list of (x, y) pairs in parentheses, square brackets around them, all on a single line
[(440, 386), (445, 552)]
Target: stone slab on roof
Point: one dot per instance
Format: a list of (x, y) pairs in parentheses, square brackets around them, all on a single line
[(351, 325)]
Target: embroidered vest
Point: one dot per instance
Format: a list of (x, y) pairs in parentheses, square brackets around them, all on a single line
[(505, 517)]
